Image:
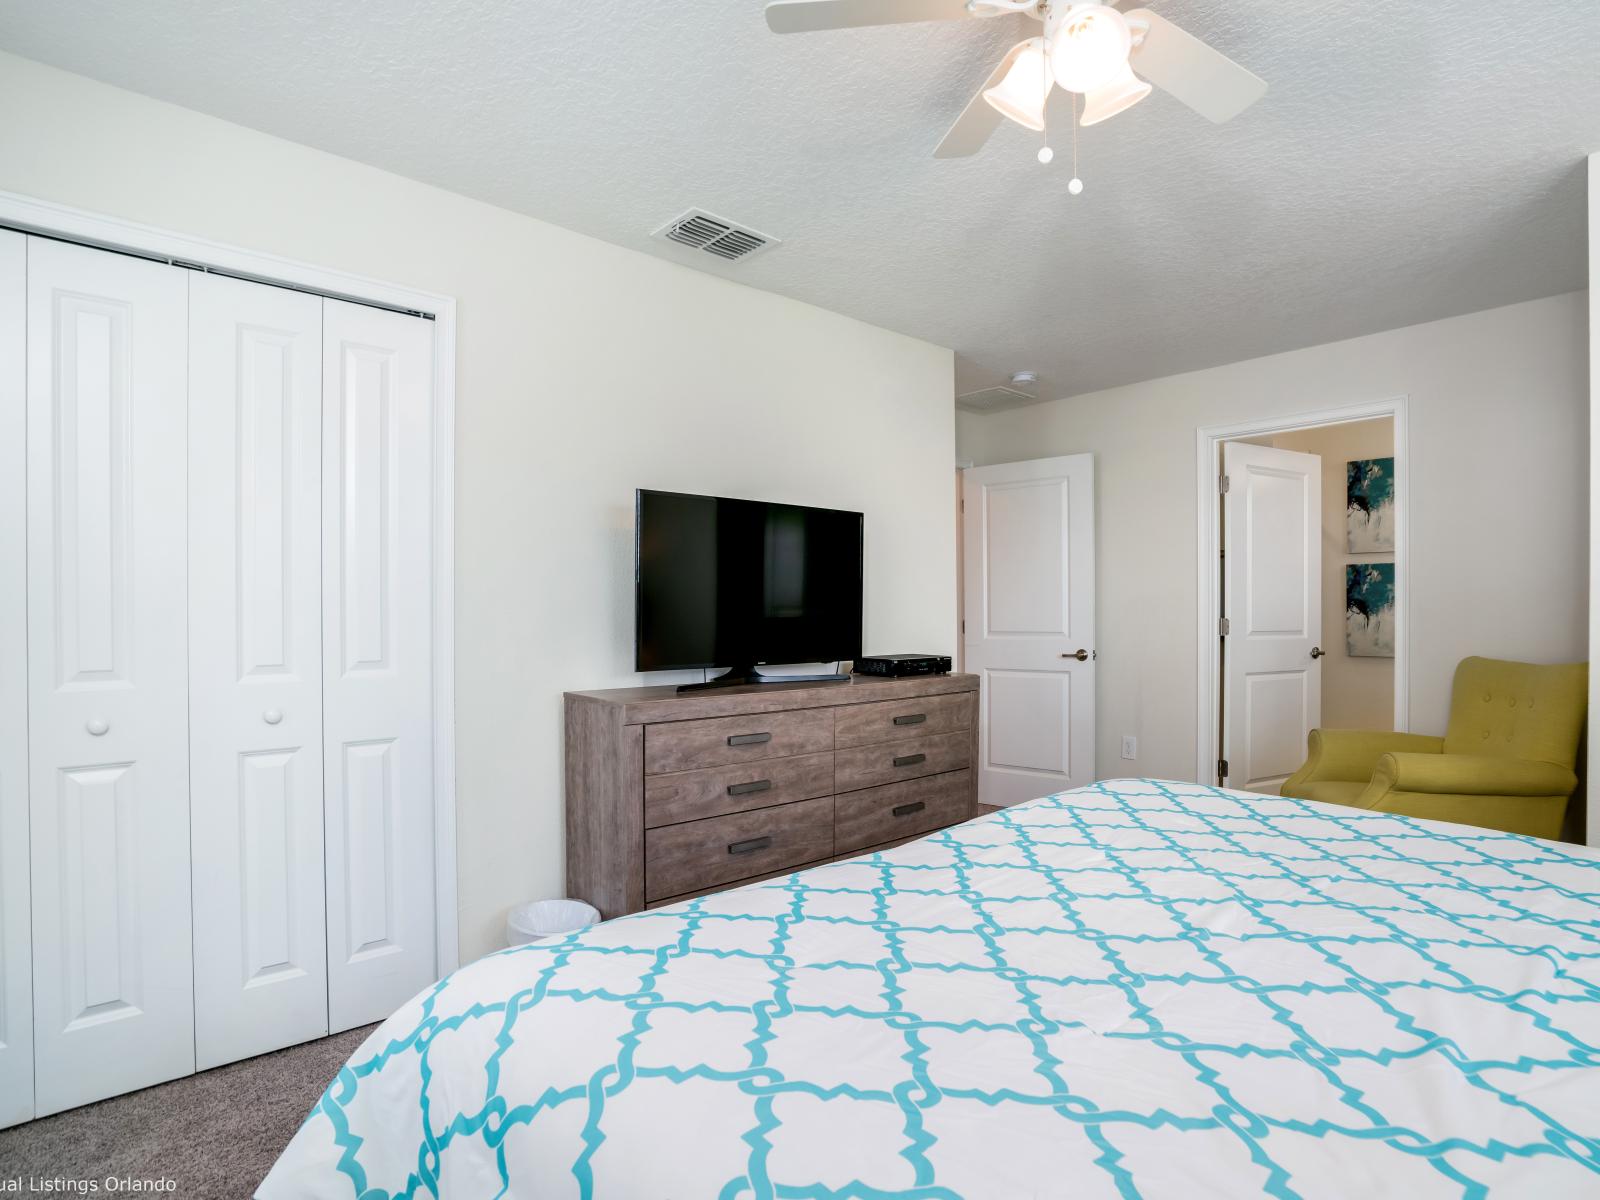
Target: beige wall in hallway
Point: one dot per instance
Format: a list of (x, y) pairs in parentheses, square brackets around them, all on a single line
[(1357, 693)]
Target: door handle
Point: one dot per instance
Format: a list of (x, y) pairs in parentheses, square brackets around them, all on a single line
[(272, 716), (911, 719), (906, 810), (1081, 656), (749, 739), (749, 789), (910, 760), (750, 847), (1317, 652)]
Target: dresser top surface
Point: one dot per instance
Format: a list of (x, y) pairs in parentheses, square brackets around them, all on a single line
[(644, 705)]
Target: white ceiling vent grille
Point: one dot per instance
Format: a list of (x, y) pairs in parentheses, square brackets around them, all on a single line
[(700, 230), (995, 399)]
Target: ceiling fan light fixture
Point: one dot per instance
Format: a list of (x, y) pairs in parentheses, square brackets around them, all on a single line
[(1089, 46), (1021, 95), (1121, 94)]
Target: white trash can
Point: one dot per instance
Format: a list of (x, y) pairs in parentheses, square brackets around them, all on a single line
[(540, 919)]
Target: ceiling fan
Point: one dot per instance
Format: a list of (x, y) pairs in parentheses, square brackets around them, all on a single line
[(1088, 47)]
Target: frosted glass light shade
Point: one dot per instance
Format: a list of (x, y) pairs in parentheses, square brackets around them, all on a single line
[(1121, 94), (1021, 95), (1089, 47)]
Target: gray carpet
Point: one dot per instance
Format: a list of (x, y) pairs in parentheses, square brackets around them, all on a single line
[(216, 1134)]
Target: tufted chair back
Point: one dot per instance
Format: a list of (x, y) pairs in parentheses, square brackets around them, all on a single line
[(1518, 710)]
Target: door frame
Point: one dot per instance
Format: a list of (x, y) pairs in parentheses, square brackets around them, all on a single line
[(1208, 559), (43, 218)]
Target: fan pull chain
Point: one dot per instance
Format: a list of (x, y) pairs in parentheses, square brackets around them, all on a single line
[(1075, 185), (1045, 153)]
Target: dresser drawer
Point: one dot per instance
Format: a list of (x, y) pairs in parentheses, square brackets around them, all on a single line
[(702, 854), (890, 720), (688, 745), (868, 766), (737, 787), (901, 810)]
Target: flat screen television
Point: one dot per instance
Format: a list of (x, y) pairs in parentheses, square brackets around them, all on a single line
[(737, 583)]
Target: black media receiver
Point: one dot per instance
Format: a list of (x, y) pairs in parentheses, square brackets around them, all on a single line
[(899, 665)]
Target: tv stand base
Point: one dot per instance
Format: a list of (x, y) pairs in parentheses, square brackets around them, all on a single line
[(750, 677)]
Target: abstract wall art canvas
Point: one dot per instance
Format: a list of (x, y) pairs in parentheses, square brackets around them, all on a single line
[(1369, 505), (1369, 610)]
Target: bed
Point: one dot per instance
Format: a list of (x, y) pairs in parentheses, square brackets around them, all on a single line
[(1138, 988)]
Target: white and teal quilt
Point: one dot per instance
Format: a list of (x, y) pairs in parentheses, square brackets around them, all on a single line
[(1135, 989)]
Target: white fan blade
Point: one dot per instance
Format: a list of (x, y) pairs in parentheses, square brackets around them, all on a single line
[(806, 16), (979, 118), (1212, 84)]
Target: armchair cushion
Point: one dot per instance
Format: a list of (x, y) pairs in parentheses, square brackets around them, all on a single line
[(1329, 791)]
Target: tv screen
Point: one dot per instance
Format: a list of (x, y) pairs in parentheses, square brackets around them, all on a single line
[(737, 583)]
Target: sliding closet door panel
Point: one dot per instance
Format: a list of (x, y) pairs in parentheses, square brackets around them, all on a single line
[(107, 649), (16, 980), (378, 650), (255, 667)]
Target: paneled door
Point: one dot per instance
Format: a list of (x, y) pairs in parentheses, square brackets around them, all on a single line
[(377, 537), (255, 667), (1028, 550), (16, 973), (1272, 606), (108, 674)]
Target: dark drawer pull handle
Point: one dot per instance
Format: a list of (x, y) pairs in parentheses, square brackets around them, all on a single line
[(750, 847), (905, 810), (910, 760), (913, 719), (749, 739), (745, 789)]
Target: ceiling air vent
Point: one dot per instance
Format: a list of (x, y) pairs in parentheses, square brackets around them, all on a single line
[(699, 230), (995, 399)]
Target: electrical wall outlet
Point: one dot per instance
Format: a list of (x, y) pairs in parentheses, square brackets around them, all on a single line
[(1130, 747)]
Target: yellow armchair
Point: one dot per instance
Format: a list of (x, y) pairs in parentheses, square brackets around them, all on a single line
[(1507, 762)]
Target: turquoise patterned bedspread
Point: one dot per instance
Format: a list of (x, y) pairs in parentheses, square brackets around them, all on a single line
[(1134, 989)]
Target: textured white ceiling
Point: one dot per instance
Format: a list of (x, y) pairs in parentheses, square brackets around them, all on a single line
[(1414, 159)]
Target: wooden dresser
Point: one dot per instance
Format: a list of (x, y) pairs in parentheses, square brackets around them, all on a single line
[(675, 795)]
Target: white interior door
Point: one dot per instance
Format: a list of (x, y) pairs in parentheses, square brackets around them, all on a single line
[(16, 976), (107, 649), (255, 667), (1272, 603), (377, 542), (1029, 627)]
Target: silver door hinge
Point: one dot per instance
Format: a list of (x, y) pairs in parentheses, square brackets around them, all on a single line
[(1222, 484), (1222, 768), (1222, 626)]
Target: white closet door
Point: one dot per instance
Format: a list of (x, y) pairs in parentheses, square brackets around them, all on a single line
[(255, 667), (377, 648), (107, 644), (16, 982)]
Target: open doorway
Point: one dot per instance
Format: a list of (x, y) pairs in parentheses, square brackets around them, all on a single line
[(1302, 586)]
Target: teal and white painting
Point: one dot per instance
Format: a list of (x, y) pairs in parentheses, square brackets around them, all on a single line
[(1369, 610), (1369, 505)]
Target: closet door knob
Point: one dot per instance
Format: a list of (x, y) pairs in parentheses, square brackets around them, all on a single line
[(98, 726), (272, 716)]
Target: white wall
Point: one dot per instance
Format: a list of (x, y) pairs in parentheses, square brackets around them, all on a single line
[(1593, 823), (1357, 693), (1498, 445), (585, 371)]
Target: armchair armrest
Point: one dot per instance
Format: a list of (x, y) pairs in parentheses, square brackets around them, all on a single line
[(1351, 755), (1470, 775)]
